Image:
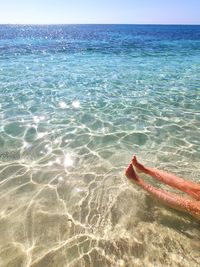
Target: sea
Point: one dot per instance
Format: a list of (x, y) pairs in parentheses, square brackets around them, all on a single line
[(76, 103)]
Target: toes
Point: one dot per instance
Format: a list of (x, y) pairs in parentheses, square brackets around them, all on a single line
[(130, 173)]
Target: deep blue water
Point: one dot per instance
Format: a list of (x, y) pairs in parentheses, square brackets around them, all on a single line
[(76, 101), (134, 39)]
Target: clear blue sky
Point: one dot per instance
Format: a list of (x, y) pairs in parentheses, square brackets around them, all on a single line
[(100, 11)]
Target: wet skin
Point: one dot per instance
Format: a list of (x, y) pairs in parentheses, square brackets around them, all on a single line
[(172, 200)]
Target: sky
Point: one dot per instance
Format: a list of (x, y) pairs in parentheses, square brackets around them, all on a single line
[(100, 11)]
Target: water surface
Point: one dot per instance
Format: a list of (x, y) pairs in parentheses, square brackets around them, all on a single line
[(76, 102)]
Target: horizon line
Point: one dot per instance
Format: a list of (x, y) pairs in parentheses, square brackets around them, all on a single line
[(158, 24)]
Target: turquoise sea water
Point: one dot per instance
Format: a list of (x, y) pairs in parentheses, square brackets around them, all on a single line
[(76, 102)]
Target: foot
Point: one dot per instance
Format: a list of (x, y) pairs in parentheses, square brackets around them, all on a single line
[(139, 167), (130, 173)]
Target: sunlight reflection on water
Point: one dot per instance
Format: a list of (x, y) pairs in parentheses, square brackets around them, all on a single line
[(70, 122)]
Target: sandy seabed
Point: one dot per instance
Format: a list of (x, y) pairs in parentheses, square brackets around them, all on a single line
[(87, 216)]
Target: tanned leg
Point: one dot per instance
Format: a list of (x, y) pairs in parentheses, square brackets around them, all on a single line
[(188, 187), (172, 200)]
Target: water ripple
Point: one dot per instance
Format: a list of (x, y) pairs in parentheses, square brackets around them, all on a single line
[(74, 106)]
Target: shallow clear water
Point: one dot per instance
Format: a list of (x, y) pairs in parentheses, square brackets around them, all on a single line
[(76, 102)]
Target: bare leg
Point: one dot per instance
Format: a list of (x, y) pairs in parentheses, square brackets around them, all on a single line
[(188, 187), (172, 200)]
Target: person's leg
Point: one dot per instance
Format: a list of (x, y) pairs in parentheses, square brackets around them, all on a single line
[(188, 187), (169, 199)]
